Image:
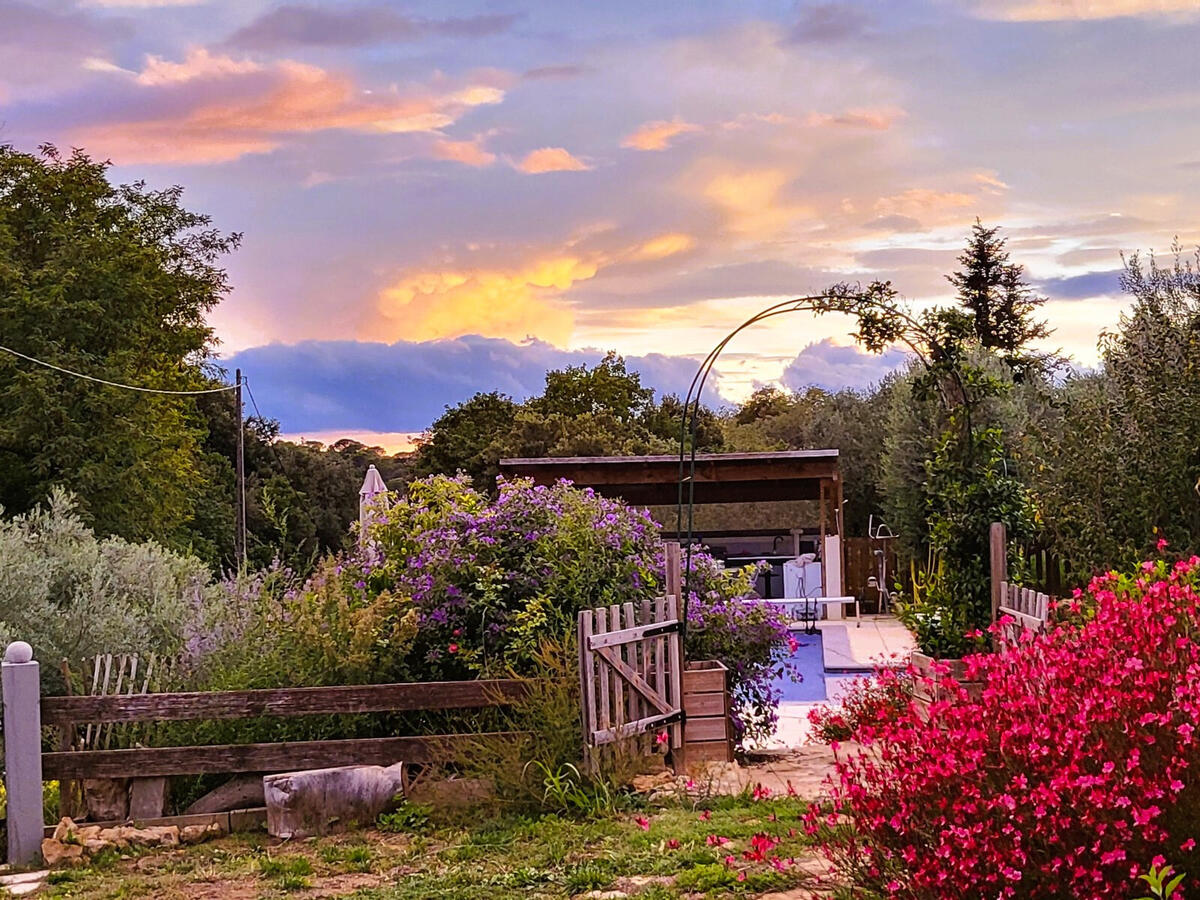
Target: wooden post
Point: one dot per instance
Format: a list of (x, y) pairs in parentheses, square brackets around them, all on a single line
[(998, 553), (239, 530), (20, 682), (674, 586)]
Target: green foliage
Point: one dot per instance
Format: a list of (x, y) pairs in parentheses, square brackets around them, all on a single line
[(1162, 882), (993, 291), (71, 594), (113, 281), (1120, 460), (290, 873), (406, 817), (852, 422), (603, 410)]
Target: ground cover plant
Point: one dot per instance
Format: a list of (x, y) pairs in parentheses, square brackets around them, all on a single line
[(1071, 774), (732, 846)]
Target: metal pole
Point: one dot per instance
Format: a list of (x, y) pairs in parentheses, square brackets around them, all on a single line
[(240, 529)]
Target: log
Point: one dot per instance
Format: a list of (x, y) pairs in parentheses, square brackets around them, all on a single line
[(243, 792), (326, 801)]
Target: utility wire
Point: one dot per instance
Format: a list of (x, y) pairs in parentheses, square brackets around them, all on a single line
[(274, 452), (127, 387)]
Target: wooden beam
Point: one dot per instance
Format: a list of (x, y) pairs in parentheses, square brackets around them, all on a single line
[(234, 758), (998, 558), (283, 702)]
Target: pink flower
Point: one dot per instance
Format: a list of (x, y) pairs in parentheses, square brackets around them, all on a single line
[(661, 738), (673, 844), (706, 815), (453, 648), (642, 823), (1162, 544)]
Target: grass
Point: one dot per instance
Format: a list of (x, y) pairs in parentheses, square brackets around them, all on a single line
[(501, 857)]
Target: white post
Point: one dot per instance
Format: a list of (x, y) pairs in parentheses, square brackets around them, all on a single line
[(22, 753)]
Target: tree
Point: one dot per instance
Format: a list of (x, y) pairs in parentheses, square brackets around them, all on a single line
[(1122, 457), (608, 387), (464, 439), (1001, 305), (603, 410), (115, 282)]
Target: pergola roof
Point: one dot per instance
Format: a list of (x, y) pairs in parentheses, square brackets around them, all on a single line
[(720, 477)]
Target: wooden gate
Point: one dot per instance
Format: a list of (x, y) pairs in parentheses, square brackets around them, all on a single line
[(630, 667), (1028, 609)]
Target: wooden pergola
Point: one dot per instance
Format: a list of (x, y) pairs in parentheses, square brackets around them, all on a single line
[(720, 478)]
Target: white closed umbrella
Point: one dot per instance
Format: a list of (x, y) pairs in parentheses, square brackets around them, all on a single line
[(372, 487)]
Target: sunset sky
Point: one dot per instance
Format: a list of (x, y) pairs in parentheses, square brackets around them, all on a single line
[(440, 198)]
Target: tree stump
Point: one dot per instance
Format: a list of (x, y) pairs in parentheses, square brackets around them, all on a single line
[(326, 801)]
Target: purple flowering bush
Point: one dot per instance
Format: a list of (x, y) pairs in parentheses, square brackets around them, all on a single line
[(452, 584), (490, 579), (728, 622)]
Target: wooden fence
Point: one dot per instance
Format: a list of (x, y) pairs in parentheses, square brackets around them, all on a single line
[(67, 712), (1028, 609)]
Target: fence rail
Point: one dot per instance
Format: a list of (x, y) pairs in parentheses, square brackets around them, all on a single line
[(25, 714)]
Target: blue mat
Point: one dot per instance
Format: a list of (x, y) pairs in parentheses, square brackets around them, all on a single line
[(809, 662)]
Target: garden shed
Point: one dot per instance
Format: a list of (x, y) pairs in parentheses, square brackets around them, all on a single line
[(777, 506)]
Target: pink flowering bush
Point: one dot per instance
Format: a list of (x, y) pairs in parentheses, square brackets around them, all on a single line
[(1072, 773)]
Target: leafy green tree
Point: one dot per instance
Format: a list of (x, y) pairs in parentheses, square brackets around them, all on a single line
[(113, 281), (603, 410), (853, 423), (608, 387), (1122, 456)]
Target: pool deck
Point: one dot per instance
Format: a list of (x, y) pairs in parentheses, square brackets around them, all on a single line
[(881, 640), (850, 653)]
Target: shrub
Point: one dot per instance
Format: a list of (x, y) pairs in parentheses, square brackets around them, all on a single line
[(1070, 774), (727, 622), (72, 595), (869, 702)]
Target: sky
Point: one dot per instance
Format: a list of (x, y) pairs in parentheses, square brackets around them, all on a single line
[(439, 198)]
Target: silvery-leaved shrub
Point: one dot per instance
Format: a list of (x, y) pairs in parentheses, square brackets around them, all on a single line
[(73, 595)]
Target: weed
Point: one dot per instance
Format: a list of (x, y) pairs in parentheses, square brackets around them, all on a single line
[(405, 817)]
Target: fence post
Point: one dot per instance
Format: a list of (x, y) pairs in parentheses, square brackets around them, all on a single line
[(21, 684), (998, 546)]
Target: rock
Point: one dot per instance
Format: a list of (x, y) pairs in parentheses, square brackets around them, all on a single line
[(645, 784), (92, 847), (87, 833), (168, 835), (107, 799), (56, 853), (19, 884), (64, 830), (604, 895), (114, 836), (195, 834), (324, 801)]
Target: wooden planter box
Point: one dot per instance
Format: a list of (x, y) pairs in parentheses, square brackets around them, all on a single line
[(707, 730), (927, 686)]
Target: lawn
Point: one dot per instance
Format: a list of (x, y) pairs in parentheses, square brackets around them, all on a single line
[(739, 847)]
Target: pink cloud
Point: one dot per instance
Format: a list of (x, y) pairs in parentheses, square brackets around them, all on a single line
[(469, 153), (658, 135), (253, 109), (551, 159)]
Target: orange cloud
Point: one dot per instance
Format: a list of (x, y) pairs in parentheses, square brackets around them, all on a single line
[(664, 245), (265, 105), (512, 304), (469, 153), (751, 203), (506, 302), (657, 135), (551, 159)]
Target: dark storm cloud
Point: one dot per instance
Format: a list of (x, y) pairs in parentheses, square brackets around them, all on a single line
[(326, 385)]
